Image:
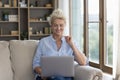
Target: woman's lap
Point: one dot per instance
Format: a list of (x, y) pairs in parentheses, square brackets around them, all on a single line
[(55, 78)]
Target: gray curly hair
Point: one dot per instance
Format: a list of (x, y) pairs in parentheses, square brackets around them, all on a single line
[(57, 14)]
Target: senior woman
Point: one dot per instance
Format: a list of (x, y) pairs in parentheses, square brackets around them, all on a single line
[(57, 45)]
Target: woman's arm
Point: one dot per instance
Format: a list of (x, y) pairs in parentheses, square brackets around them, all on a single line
[(36, 59), (79, 56)]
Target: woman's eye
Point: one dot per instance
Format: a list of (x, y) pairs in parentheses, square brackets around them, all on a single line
[(56, 25), (61, 25)]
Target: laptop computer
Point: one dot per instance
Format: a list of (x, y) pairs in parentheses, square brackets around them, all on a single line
[(57, 65)]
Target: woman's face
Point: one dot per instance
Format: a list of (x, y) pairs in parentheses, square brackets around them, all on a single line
[(58, 27)]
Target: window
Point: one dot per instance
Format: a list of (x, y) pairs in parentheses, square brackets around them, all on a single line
[(109, 41), (93, 30), (77, 22), (92, 27)]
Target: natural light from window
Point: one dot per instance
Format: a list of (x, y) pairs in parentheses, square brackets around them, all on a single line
[(94, 29), (110, 18), (77, 22), (93, 24)]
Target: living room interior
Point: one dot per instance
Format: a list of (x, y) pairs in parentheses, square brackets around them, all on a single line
[(94, 24)]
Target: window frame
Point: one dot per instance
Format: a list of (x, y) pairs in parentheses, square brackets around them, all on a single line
[(102, 34)]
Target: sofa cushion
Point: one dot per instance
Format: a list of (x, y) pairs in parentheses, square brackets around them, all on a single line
[(5, 64), (22, 53)]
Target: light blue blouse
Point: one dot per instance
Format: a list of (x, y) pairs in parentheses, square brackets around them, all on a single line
[(47, 47)]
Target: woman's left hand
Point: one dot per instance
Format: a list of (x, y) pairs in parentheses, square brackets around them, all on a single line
[(80, 58), (69, 40)]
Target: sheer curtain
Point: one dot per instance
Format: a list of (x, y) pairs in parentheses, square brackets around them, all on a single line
[(116, 43)]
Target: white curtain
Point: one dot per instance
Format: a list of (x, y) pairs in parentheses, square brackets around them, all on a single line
[(116, 41)]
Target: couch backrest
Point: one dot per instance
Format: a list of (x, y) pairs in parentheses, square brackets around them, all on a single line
[(5, 63), (22, 53)]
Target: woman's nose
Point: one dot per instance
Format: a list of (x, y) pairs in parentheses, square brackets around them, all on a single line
[(58, 27)]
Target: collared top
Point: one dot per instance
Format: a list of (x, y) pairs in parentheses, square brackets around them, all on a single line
[(47, 47)]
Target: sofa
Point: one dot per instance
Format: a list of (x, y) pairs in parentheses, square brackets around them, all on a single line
[(16, 62)]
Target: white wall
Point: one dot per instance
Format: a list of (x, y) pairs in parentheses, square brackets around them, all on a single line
[(116, 39), (64, 5)]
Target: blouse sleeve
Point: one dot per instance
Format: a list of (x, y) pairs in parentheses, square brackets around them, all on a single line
[(38, 54)]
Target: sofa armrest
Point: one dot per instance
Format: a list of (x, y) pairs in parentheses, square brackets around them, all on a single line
[(87, 73)]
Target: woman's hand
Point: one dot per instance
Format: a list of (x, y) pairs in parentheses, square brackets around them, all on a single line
[(38, 70), (79, 56), (69, 40)]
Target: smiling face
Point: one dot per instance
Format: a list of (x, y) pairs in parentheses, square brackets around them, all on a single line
[(57, 27)]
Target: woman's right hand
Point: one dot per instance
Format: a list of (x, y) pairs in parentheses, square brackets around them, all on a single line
[(38, 70)]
